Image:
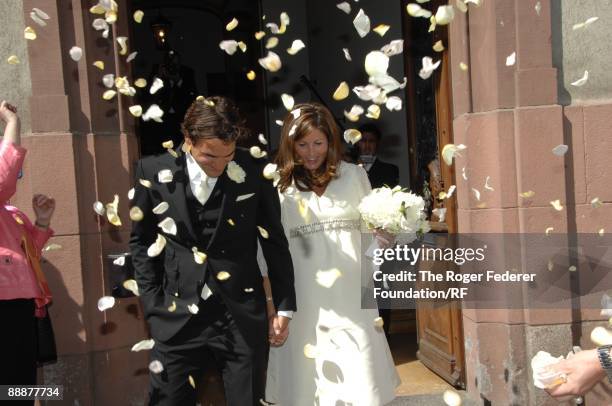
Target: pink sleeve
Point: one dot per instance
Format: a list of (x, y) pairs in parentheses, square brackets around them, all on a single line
[(11, 159), (39, 236)]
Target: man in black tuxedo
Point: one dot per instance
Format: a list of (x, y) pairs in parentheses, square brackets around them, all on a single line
[(380, 174), (203, 293)]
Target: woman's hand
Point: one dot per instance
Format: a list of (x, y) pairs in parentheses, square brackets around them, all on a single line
[(44, 207), (384, 238), (582, 371), (8, 112)]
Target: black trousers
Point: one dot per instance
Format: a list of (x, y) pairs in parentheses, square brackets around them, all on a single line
[(18, 344), (211, 336)]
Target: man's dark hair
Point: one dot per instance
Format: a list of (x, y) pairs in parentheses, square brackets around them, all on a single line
[(214, 117), (371, 128)]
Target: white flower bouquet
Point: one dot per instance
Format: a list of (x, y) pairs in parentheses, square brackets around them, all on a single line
[(395, 211)]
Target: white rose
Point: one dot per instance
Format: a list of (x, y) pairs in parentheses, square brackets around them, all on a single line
[(235, 172)]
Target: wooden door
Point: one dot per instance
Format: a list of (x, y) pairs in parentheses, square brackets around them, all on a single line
[(429, 115)]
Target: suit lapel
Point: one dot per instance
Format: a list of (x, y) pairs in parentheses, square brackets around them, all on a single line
[(178, 198)]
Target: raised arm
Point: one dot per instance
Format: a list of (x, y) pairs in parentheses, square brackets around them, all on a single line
[(11, 154), (12, 129)]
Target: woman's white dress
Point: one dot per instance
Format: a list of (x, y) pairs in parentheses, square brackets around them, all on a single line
[(347, 359)]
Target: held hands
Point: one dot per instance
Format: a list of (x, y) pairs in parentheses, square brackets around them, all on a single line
[(44, 207), (582, 371), (278, 329)]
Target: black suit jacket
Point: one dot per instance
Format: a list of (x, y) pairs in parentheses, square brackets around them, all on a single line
[(382, 173), (174, 276)]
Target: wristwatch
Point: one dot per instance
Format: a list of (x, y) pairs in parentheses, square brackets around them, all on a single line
[(605, 359)]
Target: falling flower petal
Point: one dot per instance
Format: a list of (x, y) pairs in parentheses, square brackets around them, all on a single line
[(352, 136), (138, 14), (122, 41), (244, 197), (596, 203), (601, 336), (161, 208), (486, 185), (193, 309), (198, 256), (172, 307), (582, 80), (191, 380), (156, 85), (136, 214), (154, 112), (165, 176), (557, 205), (511, 59), (451, 398), (367, 93), (55, 247), (131, 57), (450, 151), (589, 21), (76, 53), (440, 212), (296, 46), (394, 47), (106, 302), (143, 345), (394, 103), (271, 42), (157, 247), (438, 46), (140, 82), (223, 276), (310, 351), (362, 23), (341, 92), (288, 101), (379, 322), (451, 191), (251, 75), (327, 278), (135, 110), (259, 35), (263, 232), (279, 123), (476, 193), (232, 24), (428, 67), (132, 286), (538, 8), (256, 152), (99, 208), (381, 29), (414, 10), (271, 62), (262, 139), (601, 232), (549, 230), (99, 24), (528, 194), (347, 54), (560, 150), (146, 183), (109, 94), (168, 226), (354, 113), (108, 80), (344, 6), (99, 65), (464, 174), (461, 6), (445, 15), (29, 33), (231, 222), (463, 66), (37, 19), (112, 212), (156, 367), (376, 63), (229, 46), (373, 112)]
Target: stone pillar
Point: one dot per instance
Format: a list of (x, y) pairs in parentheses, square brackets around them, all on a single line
[(82, 149)]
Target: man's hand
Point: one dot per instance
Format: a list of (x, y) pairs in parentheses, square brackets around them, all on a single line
[(583, 371), (279, 330), (44, 207)]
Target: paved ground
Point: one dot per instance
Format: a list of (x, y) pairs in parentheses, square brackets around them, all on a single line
[(427, 400)]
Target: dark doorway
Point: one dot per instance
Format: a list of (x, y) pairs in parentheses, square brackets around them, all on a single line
[(185, 54)]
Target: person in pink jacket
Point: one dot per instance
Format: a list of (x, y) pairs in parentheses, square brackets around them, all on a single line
[(23, 291)]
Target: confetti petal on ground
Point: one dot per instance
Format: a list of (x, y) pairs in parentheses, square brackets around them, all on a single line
[(296, 46), (344, 6), (223, 276), (106, 302), (232, 24), (263, 232), (76, 53), (511, 59), (132, 286), (156, 367), (136, 214), (327, 278), (450, 151), (352, 136), (381, 29), (13, 60), (362, 23), (588, 22), (582, 80), (143, 345), (557, 205), (560, 150), (157, 247), (341, 92)]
